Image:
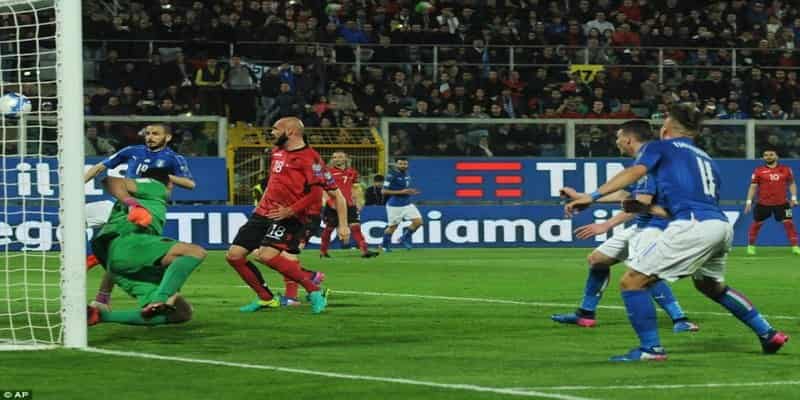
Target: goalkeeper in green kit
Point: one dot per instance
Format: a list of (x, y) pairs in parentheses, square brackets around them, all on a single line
[(147, 266)]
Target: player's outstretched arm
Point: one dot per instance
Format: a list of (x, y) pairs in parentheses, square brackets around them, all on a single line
[(793, 192), (182, 181), (618, 182), (587, 231), (92, 172), (615, 197), (751, 192)]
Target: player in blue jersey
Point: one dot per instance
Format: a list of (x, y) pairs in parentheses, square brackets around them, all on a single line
[(397, 184), (632, 137), (155, 153), (696, 242)]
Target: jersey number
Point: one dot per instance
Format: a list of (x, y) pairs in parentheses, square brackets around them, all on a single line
[(276, 232), (344, 179), (141, 169), (707, 176)]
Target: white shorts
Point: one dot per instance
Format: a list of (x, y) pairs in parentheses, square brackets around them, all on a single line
[(97, 213), (396, 215), (617, 246), (687, 247)]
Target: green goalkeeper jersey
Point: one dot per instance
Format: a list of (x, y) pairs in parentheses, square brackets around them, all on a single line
[(152, 195)]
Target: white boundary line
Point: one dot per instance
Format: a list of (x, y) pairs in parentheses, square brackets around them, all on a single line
[(466, 387), (522, 303), (676, 386)]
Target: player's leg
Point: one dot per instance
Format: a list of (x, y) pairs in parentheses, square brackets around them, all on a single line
[(143, 291), (354, 219), (411, 213), (760, 214), (784, 215), (600, 261), (284, 238), (394, 217), (179, 261), (596, 283), (642, 316), (331, 219), (710, 280), (660, 289), (248, 239)]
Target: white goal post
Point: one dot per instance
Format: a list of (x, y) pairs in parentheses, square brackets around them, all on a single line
[(42, 222)]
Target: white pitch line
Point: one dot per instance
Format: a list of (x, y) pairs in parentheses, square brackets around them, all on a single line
[(466, 387), (522, 303), (675, 386)]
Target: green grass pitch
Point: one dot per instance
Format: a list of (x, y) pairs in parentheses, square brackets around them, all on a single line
[(429, 324)]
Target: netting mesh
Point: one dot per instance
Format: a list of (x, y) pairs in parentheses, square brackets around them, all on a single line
[(29, 263), (248, 155)]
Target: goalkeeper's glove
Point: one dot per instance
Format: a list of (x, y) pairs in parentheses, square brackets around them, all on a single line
[(138, 214)]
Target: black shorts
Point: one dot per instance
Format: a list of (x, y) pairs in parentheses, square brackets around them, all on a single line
[(284, 235), (331, 218), (780, 212), (312, 228)]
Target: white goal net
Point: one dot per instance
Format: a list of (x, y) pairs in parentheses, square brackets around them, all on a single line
[(42, 278)]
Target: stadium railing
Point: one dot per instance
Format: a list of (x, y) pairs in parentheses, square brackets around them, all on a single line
[(558, 137), (662, 60), (248, 154)]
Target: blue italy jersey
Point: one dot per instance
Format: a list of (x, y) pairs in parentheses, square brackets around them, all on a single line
[(687, 179), (396, 180), (647, 185), (139, 158)]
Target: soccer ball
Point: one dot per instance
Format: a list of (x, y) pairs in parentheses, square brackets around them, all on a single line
[(13, 104)]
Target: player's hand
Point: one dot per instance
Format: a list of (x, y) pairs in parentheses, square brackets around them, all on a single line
[(579, 204), (569, 193), (748, 207), (410, 191), (793, 203), (280, 213), (344, 233), (634, 206), (140, 216), (590, 230)]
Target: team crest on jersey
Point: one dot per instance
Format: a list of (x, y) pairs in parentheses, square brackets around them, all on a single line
[(159, 163)]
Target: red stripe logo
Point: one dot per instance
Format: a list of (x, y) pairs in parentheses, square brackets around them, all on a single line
[(488, 167)]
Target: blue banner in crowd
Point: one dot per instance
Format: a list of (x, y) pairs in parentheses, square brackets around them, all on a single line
[(38, 177), (214, 227), (537, 179)]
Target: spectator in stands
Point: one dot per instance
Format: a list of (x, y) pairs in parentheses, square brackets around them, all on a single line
[(95, 145), (111, 71), (732, 111), (775, 112), (240, 91), (209, 80), (599, 23)]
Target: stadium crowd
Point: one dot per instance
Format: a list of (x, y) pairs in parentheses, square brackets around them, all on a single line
[(256, 61)]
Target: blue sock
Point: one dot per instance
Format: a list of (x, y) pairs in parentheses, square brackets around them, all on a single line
[(742, 308), (387, 240), (596, 283), (642, 314), (407, 235), (662, 294)]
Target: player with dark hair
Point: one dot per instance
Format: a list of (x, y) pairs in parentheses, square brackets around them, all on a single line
[(632, 138), (345, 177), (155, 153), (373, 195), (771, 180), (274, 230), (399, 207), (147, 266), (695, 243)]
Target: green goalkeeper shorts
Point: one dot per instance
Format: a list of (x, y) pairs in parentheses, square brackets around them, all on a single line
[(143, 291), (137, 256)]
